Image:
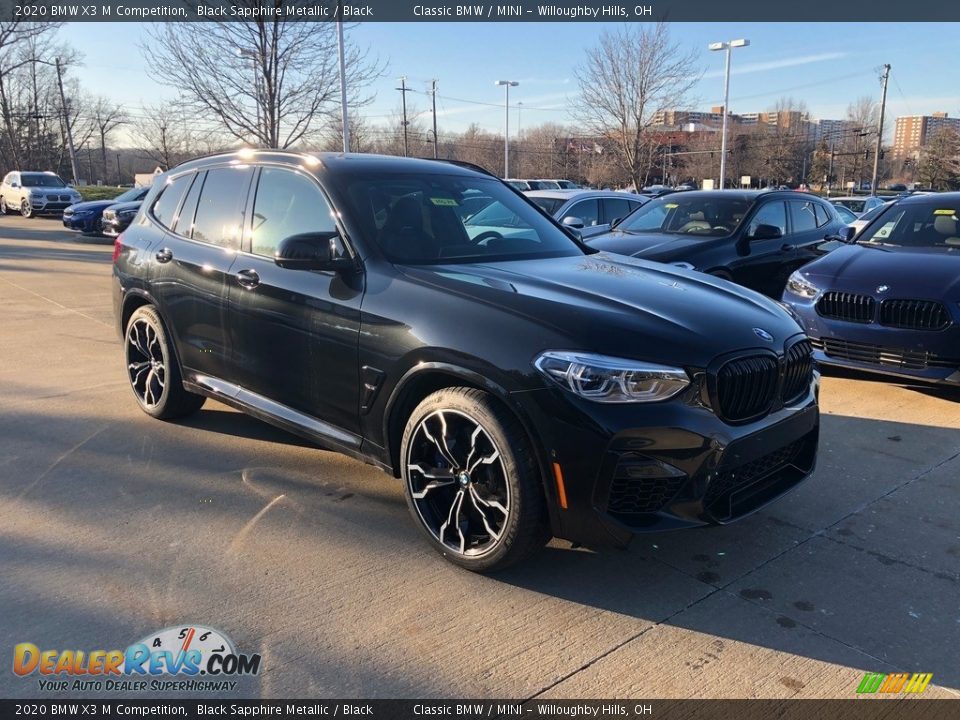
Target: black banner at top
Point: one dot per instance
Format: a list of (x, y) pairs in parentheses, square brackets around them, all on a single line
[(516, 11)]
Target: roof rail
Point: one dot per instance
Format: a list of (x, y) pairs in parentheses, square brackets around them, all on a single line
[(463, 164)]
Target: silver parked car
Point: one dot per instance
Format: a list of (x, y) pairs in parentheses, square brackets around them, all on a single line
[(859, 204), (589, 211), (31, 193)]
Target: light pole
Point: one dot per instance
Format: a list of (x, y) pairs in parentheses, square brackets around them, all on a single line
[(728, 47), (507, 84), (254, 58)]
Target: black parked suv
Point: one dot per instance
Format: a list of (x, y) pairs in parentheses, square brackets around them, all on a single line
[(521, 385), (755, 238)]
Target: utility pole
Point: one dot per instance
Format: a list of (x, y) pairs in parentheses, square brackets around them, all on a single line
[(344, 120), (436, 142), (66, 123), (403, 94), (830, 166), (883, 109), (118, 169)]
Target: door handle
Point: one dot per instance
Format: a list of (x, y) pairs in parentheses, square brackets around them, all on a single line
[(165, 255), (248, 279), (787, 247)]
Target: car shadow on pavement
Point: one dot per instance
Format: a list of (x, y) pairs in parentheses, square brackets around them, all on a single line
[(236, 424), (936, 391), (863, 558)]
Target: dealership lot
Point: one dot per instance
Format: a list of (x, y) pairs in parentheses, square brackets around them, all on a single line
[(113, 525)]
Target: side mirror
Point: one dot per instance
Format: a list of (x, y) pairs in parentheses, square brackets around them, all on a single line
[(844, 234), (766, 232), (573, 222), (311, 251), (615, 222)]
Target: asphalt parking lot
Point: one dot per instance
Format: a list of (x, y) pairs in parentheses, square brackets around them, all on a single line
[(113, 525)]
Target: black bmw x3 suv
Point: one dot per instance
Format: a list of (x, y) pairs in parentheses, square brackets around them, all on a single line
[(522, 384)]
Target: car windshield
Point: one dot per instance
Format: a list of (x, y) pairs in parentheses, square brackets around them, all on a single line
[(695, 215), (549, 205), (41, 180), (131, 195), (415, 219), (871, 214), (855, 205), (567, 184), (914, 225)]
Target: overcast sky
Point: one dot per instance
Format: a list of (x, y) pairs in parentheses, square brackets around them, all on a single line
[(825, 65)]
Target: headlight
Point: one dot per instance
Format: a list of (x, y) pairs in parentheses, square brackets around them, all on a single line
[(799, 285), (611, 380)]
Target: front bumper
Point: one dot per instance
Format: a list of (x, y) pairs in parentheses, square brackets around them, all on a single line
[(111, 227), (43, 206), (928, 355), (641, 468), (83, 223)]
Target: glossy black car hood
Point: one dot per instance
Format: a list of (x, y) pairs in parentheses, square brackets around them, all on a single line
[(907, 272), (647, 245), (91, 205), (620, 306)]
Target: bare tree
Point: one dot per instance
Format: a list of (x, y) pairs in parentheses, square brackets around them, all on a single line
[(16, 39), (271, 82), (105, 118), (938, 166), (631, 74), (167, 137)]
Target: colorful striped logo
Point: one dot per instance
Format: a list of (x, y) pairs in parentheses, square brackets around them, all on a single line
[(894, 683)]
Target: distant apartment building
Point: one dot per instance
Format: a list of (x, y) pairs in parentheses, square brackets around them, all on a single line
[(680, 118), (915, 131), (785, 119), (834, 131)]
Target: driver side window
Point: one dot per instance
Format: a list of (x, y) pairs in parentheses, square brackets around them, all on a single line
[(773, 213), (287, 203)]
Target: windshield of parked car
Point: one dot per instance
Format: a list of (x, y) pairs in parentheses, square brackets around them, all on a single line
[(845, 214), (131, 195), (920, 226), (415, 219), (855, 205), (549, 205), (695, 215), (41, 180), (871, 214)]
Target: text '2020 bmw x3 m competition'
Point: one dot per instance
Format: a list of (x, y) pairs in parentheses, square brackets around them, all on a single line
[(521, 384)]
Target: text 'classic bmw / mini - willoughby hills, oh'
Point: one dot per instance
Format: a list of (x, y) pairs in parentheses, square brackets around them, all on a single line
[(523, 385)]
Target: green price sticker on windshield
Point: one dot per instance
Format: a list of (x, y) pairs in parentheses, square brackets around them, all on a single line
[(444, 202)]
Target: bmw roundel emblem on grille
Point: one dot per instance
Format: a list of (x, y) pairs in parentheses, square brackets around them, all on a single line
[(883, 288), (763, 334)]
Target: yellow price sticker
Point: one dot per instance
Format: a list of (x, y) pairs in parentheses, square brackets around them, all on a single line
[(671, 206), (944, 212)]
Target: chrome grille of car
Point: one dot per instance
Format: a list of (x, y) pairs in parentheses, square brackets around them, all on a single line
[(846, 306), (895, 357), (914, 314)]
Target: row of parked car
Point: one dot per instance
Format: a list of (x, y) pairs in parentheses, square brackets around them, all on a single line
[(43, 193)]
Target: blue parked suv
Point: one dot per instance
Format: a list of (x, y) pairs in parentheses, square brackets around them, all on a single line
[(85, 216)]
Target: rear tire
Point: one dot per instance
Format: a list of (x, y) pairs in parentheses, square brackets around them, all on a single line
[(4, 208), (472, 483), (153, 370)]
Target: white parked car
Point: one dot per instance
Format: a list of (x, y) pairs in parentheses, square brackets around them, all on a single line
[(859, 204), (31, 193)]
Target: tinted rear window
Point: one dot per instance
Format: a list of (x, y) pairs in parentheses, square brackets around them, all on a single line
[(167, 203)]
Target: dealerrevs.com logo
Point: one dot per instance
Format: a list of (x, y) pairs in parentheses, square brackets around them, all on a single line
[(174, 659)]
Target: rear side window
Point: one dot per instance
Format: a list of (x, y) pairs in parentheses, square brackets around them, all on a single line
[(219, 217), (803, 216), (166, 204), (184, 221), (287, 203), (823, 214)]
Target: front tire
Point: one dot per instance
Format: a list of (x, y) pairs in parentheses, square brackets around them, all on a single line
[(472, 483), (26, 209), (153, 370)]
